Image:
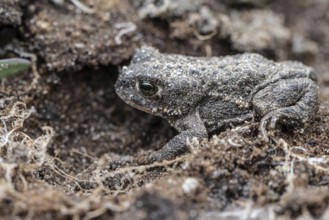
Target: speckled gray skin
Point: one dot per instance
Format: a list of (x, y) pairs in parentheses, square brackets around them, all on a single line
[(199, 95)]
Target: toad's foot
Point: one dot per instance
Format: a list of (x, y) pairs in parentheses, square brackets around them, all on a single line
[(268, 123), (190, 126), (293, 102)]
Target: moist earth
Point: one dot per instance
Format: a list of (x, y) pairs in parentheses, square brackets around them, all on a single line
[(68, 143)]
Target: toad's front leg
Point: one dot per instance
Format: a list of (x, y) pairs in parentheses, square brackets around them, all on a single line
[(189, 126)]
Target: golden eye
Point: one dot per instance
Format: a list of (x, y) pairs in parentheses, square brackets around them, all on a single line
[(147, 88)]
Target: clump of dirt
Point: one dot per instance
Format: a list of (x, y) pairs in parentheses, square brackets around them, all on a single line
[(68, 143), (10, 13), (69, 40), (266, 27)]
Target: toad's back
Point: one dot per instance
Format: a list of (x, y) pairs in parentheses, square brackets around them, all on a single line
[(231, 82), (238, 70)]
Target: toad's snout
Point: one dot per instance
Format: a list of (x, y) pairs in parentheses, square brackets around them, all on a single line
[(124, 88), (122, 84)]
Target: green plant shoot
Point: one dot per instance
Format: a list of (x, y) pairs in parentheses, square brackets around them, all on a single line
[(12, 66)]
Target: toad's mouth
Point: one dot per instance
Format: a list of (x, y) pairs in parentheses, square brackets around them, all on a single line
[(133, 100)]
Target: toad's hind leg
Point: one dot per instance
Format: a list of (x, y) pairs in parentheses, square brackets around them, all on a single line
[(288, 102)]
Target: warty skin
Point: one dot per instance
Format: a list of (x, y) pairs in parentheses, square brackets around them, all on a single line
[(201, 95)]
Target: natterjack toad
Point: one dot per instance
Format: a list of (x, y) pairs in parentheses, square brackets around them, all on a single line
[(199, 95)]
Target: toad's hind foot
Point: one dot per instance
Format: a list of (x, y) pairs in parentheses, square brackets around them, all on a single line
[(293, 102), (282, 116)]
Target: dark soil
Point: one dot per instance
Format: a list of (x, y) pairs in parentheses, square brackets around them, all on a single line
[(67, 142)]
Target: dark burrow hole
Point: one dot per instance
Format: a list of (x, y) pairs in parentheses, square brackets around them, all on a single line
[(90, 120)]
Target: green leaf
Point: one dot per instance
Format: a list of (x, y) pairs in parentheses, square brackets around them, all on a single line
[(12, 66)]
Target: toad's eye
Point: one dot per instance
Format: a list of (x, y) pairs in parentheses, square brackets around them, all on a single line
[(147, 88)]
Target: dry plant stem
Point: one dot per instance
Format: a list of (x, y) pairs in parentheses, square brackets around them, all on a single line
[(124, 28), (126, 171), (247, 213), (50, 161), (25, 183), (204, 37), (314, 161), (290, 175), (95, 214), (14, 112), (70, 207), (78, 4), (141, 168), (83, 7), (9, 173), (291, 158), (83, 154)]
